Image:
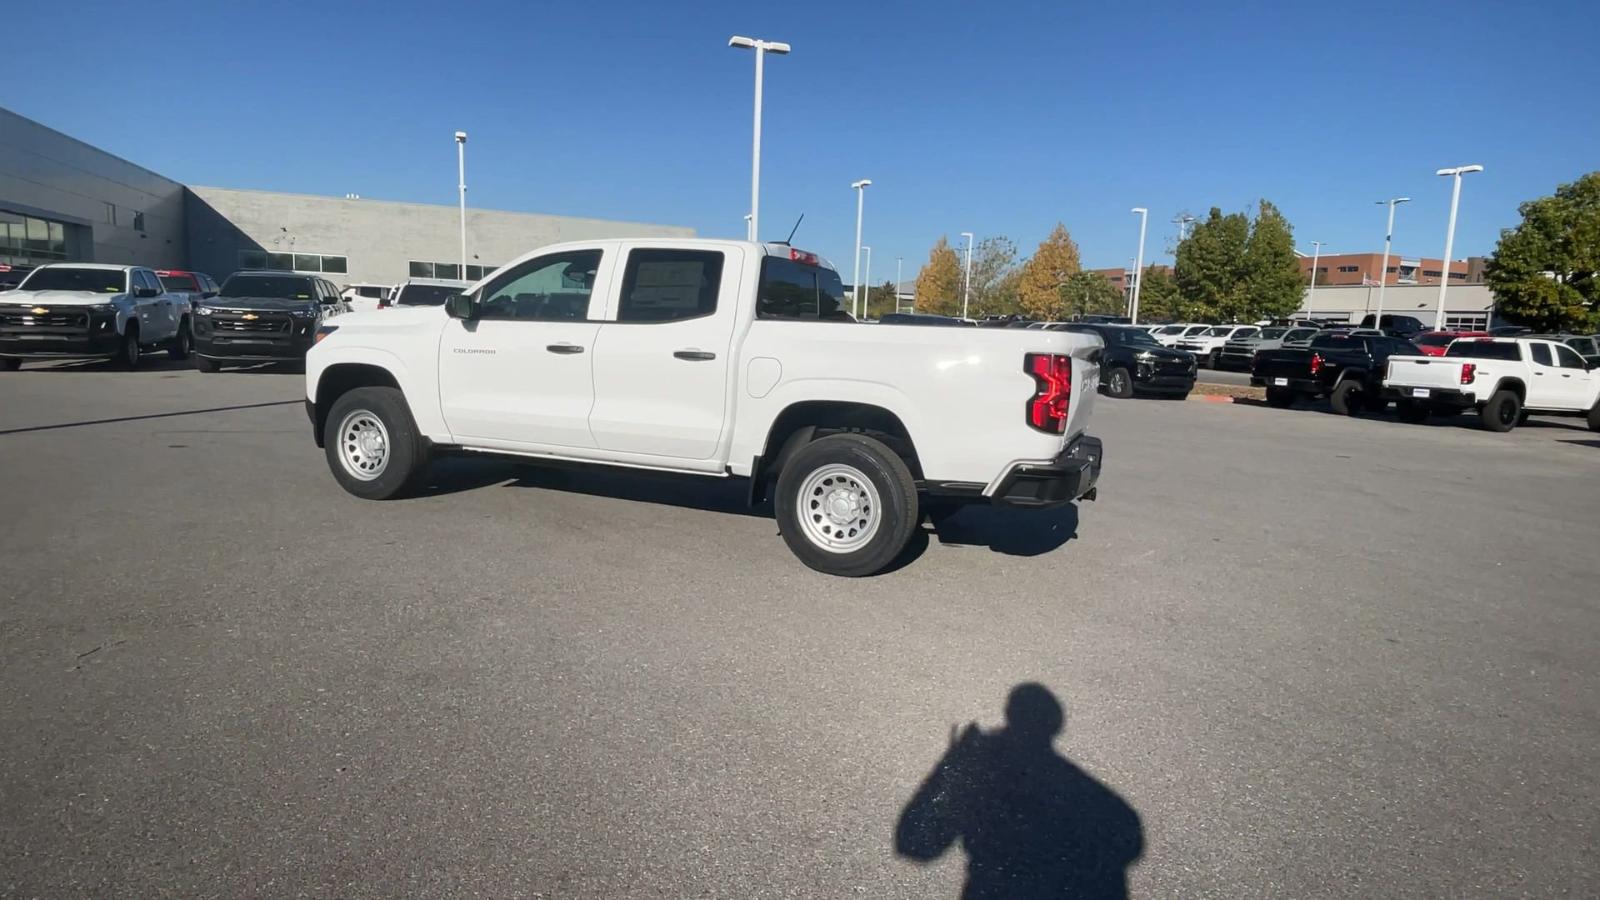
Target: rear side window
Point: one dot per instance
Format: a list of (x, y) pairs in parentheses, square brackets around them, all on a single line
[(1541, 354), (1474, 349), (670, 285), (795, 291)]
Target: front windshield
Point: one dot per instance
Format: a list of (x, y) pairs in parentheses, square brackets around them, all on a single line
[(180, 283), (426, 294), (279, 287), (1171, 329), (1268, 334), (1218, 332), (1133, 337), (65, 278)]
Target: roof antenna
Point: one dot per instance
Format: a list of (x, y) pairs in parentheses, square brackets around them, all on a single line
[(790, 239)]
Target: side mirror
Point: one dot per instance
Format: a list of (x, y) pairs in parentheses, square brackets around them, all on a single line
[(460, 306), (208, 294)]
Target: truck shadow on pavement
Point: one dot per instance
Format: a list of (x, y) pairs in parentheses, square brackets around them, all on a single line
[(1032, 824), (1015, 532)]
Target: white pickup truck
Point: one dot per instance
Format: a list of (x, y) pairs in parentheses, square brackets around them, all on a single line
[(1504, 379), (714, 358), (90, 311)]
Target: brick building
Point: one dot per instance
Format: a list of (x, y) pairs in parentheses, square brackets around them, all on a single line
[(1339, 269)]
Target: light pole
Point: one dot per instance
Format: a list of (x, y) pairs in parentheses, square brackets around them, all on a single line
[(1383, 273), (966, 279), (762, 48), (899, 263), (855, 276), (1182, 222), (1311, 297), (1138, 266), (866, 302), (1450, 235), (461, 169)]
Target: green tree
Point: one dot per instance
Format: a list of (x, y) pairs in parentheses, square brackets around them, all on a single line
[(1159, 300), (1039, 285), (880, 300), (1273, 283), (1544, 271), (1086, 293), (994, 277), (1210, 269), (939, 282)]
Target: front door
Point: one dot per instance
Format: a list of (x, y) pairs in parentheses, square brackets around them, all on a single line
[(1575, 379), (1544, 388), (519, 376), (662, 361)]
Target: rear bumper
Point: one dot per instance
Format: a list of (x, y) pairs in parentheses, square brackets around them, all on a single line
[(1308, 386), (1451, 397), (1064, 479)]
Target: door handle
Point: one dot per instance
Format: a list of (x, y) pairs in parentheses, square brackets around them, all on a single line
[(695, 355), (563, 348)]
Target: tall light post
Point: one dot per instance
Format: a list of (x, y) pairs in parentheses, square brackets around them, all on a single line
[(1383, 274), (866, 303), (1311, 297), (762, 48), (1183, 222), (899, 263), (1138, 265), (966, 279), (1450, 235), (461, 170), (860, 188)]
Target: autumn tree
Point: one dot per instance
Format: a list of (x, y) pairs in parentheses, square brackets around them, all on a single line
[(994, 277), (1544, 271), (1090, 293), (1274, 286), (1039, 285), (939, 282)]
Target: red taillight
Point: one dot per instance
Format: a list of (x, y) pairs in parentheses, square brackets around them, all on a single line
[(1052, 376), (801, 256), (1469, 373), (1316, 363)]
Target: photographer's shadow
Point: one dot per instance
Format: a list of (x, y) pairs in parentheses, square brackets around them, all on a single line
[(1033, 825)]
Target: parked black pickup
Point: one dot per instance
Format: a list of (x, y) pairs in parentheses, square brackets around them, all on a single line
[(1347, 369)]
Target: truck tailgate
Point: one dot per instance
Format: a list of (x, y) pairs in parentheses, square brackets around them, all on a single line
[(1283, 363), (1423, 372)]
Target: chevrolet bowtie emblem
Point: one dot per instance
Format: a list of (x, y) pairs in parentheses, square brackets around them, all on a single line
[(38, 310), (251, 317)]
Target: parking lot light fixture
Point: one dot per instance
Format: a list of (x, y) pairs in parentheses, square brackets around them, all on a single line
[(966, 278), (866, 303), (860, 187), (762, 48), (461, 185), (1311, 296), (1450, 236), (1138, 265), (1383, 269)]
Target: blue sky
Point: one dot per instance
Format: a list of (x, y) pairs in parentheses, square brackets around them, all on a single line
[(996, 118)]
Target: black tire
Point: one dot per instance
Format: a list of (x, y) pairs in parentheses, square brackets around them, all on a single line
[(182, 342), (130, 353), (10, 364), (1280, 398), (1501, 412), (1119, 383), (1213, 359), (405, 454), (890, 479), (1373, 401), (1522, 417), (1413, 412), (1594, 417), (1347, 398), (206, 364)]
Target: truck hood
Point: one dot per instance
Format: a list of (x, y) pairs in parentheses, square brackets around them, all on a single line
[(56, 298), (271, 304), (1164, 353)]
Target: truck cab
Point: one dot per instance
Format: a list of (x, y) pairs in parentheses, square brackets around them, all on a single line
[(91, 311)]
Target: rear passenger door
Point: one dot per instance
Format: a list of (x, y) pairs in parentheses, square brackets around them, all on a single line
[(662, 358)]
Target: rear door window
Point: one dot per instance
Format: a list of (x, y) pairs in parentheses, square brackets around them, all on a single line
[(795, 291), (668, 285), (1475, 349), (1541, 354)]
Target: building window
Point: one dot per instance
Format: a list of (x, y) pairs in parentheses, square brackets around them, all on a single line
[(138, 221), (421, 269), (1350, 268), (1459, 276), (1431, 273), (297, 262), (447, 270), (26, 239), (475, 273), (1391, 270), (1466, 322), (337, 265)]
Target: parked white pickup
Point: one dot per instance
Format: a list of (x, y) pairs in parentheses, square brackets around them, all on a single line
[(1504, 379), (88, 311), (718, 358)]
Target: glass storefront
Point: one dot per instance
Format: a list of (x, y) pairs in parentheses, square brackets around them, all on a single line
[(26, 240)]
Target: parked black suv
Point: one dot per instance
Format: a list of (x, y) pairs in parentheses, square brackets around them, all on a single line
[(262, 317), (1133, 362), (1346, 368)]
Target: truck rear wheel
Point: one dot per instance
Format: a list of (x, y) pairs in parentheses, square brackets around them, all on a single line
[(10, 364), (1347, 398), (206, 364), (1280, 398), (1412, 411), (846, 505), (1501, 412), (182, 342), (372, 444), (1594, 417)]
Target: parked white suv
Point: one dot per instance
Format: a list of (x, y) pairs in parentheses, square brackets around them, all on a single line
[(1504, 379), (425, 291), (364, 296), (714, 358), (1207, 345), (1170, 335), (90, 311)]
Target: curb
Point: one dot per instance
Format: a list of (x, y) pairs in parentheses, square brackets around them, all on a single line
[(1209, 398)]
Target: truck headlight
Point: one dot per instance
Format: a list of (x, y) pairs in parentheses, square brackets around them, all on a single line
[(103, 308), (205, 310), (303, 313)]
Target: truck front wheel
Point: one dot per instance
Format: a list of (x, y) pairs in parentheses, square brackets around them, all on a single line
[(1501, 412), (1594, 417), (372, 444), (130, 352), (846, 505)]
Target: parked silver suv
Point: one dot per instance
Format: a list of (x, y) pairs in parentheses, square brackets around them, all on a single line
[(1240, 352)]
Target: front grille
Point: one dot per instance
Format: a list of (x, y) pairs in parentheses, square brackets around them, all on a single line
[(22, 318), (262, 324), (1174, 367)]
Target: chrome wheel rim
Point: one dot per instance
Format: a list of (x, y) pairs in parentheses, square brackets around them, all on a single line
[(363, 445), (839, 508), (1507, 414), (1119, 382)]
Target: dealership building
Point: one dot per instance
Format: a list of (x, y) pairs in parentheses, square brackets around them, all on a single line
[(64, 200)]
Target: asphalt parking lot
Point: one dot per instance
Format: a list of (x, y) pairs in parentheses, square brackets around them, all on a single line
[(1311, 655)]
